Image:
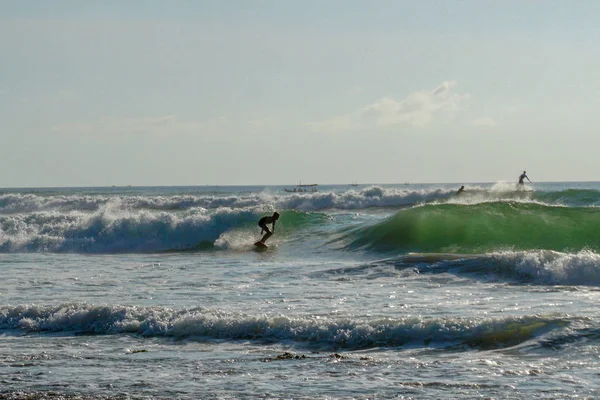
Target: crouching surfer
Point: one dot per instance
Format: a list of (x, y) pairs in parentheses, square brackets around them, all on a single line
[(263, 225)]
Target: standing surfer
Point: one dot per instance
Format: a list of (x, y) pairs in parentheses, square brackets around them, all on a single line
[(522, 177)]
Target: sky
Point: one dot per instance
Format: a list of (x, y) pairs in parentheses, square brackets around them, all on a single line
[(274, 92)]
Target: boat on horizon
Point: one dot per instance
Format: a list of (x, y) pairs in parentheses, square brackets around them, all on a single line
[(303, 188)]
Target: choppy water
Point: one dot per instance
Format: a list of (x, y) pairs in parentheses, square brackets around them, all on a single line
[(375, 291)]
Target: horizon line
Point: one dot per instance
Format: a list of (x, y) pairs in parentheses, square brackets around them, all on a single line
[(287, 184)]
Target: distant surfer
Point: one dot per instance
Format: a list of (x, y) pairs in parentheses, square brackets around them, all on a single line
[(263, 225), (461, 190), (522, 177)]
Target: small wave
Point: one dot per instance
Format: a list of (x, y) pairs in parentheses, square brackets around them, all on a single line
[(12, 203), (23, 203), (342, 333), (543, 267), (571, 197), (551, 267)]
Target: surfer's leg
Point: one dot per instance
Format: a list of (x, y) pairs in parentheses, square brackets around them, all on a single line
[(263, 228), (267, 235)]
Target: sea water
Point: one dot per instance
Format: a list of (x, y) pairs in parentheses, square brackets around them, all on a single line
[(369, 291)]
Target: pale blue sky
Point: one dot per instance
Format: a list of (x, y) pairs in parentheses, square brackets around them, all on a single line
[(273, 92)]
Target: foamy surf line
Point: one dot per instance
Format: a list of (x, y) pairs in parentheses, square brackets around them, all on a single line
[(351, 199), (542, 267), (343, 333)]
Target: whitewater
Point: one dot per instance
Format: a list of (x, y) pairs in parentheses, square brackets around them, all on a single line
[(405, 291)]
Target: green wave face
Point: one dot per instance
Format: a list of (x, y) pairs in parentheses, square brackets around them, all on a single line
[(290, 220), (483, 228)]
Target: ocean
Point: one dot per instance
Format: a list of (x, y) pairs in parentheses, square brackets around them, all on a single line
[(366, 292)]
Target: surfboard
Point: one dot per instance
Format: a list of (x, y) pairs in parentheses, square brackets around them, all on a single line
[(261, 245)]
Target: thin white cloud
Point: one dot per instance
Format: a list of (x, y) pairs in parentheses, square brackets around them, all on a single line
[(485, 122), (417, 109)]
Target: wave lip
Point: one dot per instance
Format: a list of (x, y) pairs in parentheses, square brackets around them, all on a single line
[(331, 333), (482, 228)]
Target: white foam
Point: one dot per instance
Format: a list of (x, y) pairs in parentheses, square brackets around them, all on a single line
[(322, 332), (115, 229), (368, 197), (238, 239), (552, 267)]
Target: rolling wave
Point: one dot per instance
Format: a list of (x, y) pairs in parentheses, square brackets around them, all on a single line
[(115, 230), (369, 197), (482, 228), (349, 200), (331, 333)]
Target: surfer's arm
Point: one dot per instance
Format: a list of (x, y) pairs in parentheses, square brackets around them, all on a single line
[(273, 228)]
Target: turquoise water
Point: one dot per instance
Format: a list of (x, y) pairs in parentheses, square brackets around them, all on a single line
[(374, 291)]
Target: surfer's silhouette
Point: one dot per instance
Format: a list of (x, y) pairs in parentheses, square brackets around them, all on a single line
[(461, 190), (263, 225), (522, 177)]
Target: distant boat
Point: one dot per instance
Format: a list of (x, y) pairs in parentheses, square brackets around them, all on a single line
[(302, 188), (354, 184)]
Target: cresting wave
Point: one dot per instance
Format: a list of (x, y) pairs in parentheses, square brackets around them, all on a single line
[(115, 230), (482, 228), (322, 333)]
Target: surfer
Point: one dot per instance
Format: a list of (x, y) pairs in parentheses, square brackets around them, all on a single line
[(522, 177), (263, 225), (461, 190)]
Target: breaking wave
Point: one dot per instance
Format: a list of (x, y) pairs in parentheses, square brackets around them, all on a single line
[(115, 230), (324, 332)]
